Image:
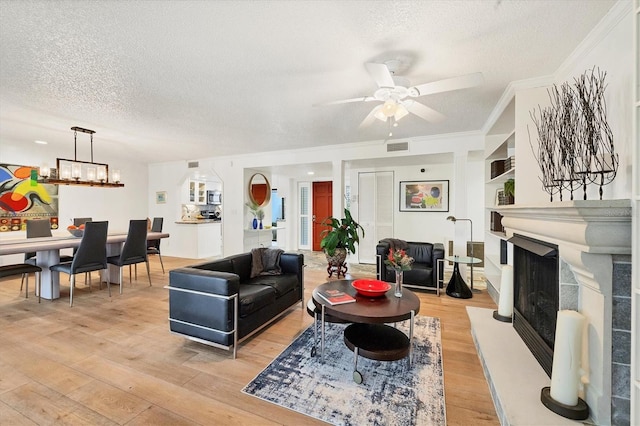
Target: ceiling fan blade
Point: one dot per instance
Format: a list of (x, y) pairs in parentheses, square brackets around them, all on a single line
[(370, 117), (346, 101), (423, 111), (454, 83), (381, 74)]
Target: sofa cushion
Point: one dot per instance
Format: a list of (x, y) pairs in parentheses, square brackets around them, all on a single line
[(282, 284), (255, 297), (420, 274), (222, 265), (421, 253), (241, 265)]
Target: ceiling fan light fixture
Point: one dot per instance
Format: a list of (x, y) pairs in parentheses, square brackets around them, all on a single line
[(401, 112), (390, 107), (380, 115)]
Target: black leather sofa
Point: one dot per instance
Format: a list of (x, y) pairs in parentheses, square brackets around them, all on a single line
[(218, 303), (423, 271)]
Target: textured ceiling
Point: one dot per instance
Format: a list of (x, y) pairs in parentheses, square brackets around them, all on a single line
[(167, 80)]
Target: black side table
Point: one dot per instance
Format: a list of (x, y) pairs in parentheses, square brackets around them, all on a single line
[(457, 287)]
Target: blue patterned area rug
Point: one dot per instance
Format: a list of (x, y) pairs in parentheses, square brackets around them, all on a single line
[(392, 392)]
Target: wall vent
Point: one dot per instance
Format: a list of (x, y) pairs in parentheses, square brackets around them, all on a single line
[(193, 164), (398, 146)]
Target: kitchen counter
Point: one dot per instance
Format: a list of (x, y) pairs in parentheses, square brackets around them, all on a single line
[(198, 221), (201, 241)]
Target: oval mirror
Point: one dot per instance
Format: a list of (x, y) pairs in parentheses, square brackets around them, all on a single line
[(259, 190)]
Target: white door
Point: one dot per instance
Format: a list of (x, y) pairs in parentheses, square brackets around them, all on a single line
[(375, 211), (385, 205), (304, 216), (367, 217)]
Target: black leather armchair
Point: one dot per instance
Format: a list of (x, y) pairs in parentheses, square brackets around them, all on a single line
[(219, 304), (423, 271)]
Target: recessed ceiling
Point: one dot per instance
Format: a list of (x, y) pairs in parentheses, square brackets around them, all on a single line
[(167, 80)]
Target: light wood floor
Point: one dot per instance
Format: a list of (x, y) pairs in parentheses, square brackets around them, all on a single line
[(113, 360)]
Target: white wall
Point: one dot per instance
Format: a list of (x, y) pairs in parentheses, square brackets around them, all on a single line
[(234, 172), (609, 49), (410, 226), (528, 185), (433, 226)]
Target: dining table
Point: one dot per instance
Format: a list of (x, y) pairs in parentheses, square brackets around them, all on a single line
[(47, 251)]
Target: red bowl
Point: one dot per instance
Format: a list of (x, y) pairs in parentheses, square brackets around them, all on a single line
[(371, 288)]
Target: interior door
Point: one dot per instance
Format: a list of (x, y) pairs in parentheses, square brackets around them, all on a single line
[(304, 216), (366, 250), (322, 196), (375, 213)]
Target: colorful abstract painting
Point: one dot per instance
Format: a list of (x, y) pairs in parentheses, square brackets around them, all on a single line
[(22, 197), (424, 196)]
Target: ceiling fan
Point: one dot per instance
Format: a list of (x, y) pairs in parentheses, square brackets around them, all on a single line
[(395, 93)]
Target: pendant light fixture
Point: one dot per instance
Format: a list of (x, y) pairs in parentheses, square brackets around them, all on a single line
[(76, 172)]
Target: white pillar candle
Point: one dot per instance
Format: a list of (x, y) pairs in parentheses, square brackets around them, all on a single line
[(565, 376), (505, 302)]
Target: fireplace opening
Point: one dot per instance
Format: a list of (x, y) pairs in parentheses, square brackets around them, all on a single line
[(536, 296)]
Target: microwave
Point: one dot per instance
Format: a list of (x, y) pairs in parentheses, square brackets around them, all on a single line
[(214, 197)]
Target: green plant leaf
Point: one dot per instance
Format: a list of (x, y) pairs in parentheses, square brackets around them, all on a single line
[(343, 233)]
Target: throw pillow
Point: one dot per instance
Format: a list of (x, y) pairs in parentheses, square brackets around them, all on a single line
[(271, 261)]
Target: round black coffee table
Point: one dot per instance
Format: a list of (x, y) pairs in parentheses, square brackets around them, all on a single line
[(369, 336)]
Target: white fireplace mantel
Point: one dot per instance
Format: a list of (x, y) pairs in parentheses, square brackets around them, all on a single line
[(588, 234), (592, 226)]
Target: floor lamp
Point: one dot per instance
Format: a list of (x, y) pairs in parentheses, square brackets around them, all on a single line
[(454, 220)]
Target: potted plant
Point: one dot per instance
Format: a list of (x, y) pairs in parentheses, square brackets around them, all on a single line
[(510, 190), (399, 261), (260, 216), (256, 211), (341, 238)]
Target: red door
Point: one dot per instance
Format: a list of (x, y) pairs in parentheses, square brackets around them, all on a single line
[(322, 206)]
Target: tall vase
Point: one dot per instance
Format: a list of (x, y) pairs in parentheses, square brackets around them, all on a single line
[(398, 289), (255, 223), (260, 226)]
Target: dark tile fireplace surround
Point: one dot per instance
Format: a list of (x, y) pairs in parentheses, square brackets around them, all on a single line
[(577, 255)]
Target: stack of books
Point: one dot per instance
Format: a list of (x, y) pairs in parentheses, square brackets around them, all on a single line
[(504, 200), (335, 297), (496, 222), (497, 168), (510, 163)]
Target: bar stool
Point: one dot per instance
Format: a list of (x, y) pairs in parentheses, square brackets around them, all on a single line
[(23, 269)]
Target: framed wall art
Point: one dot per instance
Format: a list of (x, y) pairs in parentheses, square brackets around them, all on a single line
[(161, 197), (424, 196), (23, 197)]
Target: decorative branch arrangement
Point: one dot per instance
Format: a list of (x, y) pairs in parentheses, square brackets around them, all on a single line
[(575, 141)]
